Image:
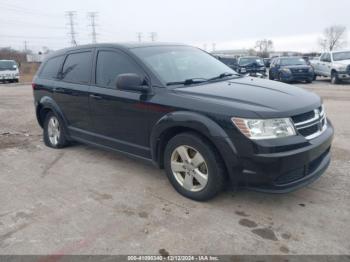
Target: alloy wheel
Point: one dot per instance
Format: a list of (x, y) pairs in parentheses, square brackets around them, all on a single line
[(54, 130), (189, 168)]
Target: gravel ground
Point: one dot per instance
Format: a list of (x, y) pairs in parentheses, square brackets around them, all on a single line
[(83, 200)]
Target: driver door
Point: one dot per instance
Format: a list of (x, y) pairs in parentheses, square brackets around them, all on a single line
[(118, 119), (325, 64)]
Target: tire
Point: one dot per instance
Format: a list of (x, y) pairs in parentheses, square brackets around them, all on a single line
[(308, 81), (315, 77), (271, 76), (279, 77), (334, 78), (210, 171), (54, 131)]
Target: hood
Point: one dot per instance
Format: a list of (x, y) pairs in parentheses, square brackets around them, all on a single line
[(246, 97), (8, 72)]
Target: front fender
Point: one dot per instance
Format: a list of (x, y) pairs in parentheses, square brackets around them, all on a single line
[(201, 124)]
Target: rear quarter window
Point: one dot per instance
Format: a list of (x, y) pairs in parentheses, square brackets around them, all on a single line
[(77, 68), (51, 68)]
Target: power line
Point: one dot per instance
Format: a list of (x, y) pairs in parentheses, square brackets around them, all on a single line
[(153, 36), (93, 16), (139, 37), (71, 15)]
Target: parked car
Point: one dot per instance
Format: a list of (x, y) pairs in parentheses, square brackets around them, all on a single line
[(335, 65), (250, 65), (229, 61), (183, 110), (267, 62), (9, 71), (288, 69)]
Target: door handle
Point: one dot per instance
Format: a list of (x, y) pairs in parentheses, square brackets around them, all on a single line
[(96, 97), (58, 90)]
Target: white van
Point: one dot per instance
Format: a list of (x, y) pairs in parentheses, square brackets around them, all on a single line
[(9, 71)]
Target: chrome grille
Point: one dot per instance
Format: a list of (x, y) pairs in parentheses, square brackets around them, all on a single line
[(311, 124)]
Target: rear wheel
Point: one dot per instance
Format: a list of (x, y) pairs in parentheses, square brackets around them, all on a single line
[(193, 167), (271, 76), (54, 134)]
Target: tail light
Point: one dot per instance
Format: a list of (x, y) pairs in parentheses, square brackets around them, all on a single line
[(33, 86)]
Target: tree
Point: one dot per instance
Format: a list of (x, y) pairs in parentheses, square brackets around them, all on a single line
[(334, 37), (264, 47), (11, 54)]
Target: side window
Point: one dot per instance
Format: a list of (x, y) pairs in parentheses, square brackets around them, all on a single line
[(110, 64), (51, 68), (77, 68), (325, 57)]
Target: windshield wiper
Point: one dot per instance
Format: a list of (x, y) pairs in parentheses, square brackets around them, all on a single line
[(189, 81), (223, 75)]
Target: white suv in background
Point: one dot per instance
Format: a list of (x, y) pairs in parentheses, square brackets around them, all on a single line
[(333, 64), (9, 71)]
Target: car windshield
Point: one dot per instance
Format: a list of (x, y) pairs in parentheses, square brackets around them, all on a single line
[(341, 56), (293, 61), (180, 63), (250, 60), (8, 65)]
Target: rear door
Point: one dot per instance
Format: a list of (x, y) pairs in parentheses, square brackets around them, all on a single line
[(119, 118), (72, 91)]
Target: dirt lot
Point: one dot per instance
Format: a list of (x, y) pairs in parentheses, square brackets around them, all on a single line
[(82, 200)]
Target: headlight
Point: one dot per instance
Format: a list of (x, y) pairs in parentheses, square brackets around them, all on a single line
[(286, 70), (243, 70), (265, 128)]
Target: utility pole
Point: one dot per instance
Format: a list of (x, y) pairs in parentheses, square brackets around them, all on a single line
[(139, 37), (25, 47), (93, 16), (71, 15), (153, 36), (205, 47)]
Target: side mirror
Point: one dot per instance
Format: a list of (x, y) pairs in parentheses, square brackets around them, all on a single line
[(131, 82)]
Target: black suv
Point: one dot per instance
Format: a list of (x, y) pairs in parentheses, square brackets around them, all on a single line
[(186, 112), (250, 65)]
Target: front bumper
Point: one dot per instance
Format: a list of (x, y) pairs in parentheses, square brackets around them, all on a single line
[(8, 77), (290, 77), (344, 75), (286, 171)]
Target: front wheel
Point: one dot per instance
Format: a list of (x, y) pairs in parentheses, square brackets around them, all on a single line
[(334, 78), (194, 167)]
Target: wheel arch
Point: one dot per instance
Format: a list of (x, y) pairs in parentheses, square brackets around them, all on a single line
[(178, 122), (45, 105)]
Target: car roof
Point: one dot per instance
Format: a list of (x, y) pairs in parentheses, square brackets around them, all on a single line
[(288, 57), (339, 51), (127, 45), (250, 57)]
